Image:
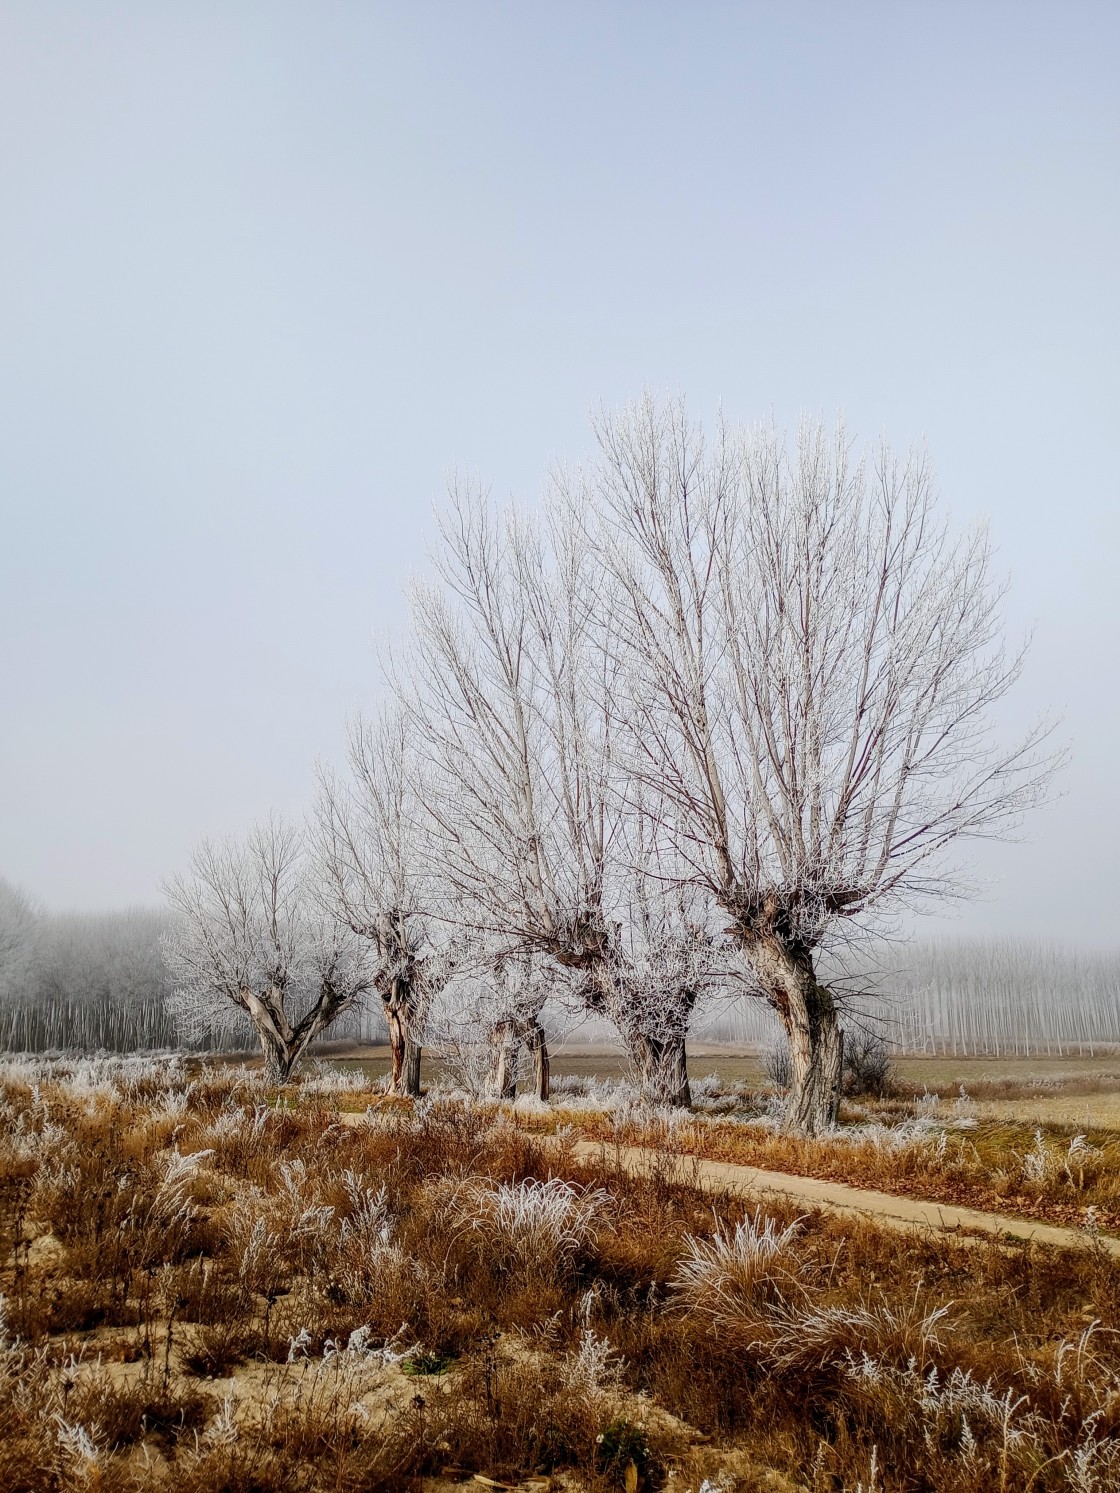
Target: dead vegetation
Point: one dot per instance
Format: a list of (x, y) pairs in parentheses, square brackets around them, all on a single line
[(913, 1145), (210, 1287)]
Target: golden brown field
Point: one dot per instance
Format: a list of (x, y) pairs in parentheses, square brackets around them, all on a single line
[(210, 1284)]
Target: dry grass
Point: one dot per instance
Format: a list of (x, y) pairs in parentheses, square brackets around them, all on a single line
[(1014, 1077), (920, 1146), (210, 1289)]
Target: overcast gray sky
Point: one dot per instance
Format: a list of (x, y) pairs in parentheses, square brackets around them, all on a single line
[(267, 271)]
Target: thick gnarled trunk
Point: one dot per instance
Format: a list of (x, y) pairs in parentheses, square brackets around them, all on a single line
[(807, 1011), (816, 1053), (274, 1033), (662, 1065), (283, 1045), (404, 1079), (538, 1048), (659, 1062), (405, 1050), (278, 1062)]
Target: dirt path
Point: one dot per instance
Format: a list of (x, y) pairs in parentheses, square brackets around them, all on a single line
[(857, 1202), (883, 1207)]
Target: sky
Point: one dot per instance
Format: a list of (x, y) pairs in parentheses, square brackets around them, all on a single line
[(268, 272)]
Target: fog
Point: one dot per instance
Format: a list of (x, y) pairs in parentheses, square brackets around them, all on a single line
[(268, 272)]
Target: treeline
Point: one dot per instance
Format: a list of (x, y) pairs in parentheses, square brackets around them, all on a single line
[(81, 980), (99, 982), (964, 997), (1005, 997)]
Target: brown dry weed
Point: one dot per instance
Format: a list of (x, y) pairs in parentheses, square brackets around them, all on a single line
[(210, 1285)]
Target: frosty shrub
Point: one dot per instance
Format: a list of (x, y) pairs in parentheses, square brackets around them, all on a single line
[(532, 1224), (726, 1276), (867, 1065), (777, 1066)]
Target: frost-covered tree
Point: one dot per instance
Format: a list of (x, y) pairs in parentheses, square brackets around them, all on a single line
[(379, 886), (489, 1015), (514, 747), (253, 943), (809, 661), (20, 922), (511, 693)]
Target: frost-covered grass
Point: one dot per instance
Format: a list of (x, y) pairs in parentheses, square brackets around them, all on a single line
[(209, 1284), (533, 1228), (919, 1145)]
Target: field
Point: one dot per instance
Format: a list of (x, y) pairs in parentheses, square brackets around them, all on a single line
[(1081, 1091), (211, 1284)]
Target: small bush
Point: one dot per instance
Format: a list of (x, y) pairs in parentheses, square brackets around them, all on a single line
[(620, 1446), (531, 1228), (777, 1066), (421, 1364), (216, 1349), (867, 1066), (126, 1414), (729, 1276)]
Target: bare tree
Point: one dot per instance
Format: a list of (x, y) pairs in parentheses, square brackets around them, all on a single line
[(20, 922), (516, 749), (489, 1014), (809, 660), (377, 883), (253, 943), (513, 693)]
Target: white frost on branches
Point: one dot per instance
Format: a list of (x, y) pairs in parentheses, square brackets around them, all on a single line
[(253, 945)]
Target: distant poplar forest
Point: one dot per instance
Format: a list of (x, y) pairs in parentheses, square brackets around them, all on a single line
[(98, 982)]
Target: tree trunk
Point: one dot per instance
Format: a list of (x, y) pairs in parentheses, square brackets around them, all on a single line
[(807, 1011), (406, 1054), (410, 1068), (674, 1067), (405, 1074), (396, 1049), (273, 1033), (835, 1117), (663, 1069), (660, 1062), (815, 1062), (278, 1062), (541, 1067), (503, 1077)]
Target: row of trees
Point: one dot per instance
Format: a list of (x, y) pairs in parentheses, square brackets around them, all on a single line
[(964, 996), (92, 981), (717, 707), (84, 980), (1006, 997)]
